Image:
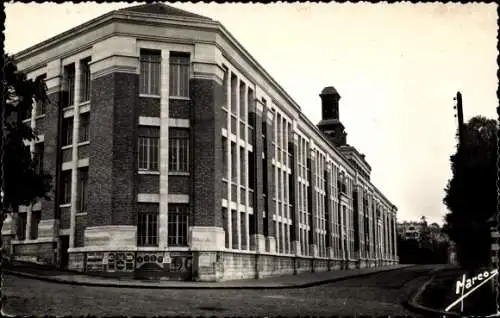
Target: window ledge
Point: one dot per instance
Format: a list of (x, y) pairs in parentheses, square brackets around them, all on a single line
[(26, 120), (67, 147), (84, 143), (179, 97), (148, 172), (81, 213), (149, 96), (147, 248), (40, 116), (178, 248), (174, 173), (65, 205), (68, 108), (84, 103)]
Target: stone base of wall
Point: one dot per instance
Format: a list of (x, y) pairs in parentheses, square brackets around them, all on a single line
[(35, 252), (351, 264), (219, 266), (156, 265)]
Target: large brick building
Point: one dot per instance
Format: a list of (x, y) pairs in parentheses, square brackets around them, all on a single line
[(176, 154)]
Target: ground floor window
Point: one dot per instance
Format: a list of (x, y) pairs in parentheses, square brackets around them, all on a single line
[(147, 229), (178, 223), (21, 226), (35, 220)]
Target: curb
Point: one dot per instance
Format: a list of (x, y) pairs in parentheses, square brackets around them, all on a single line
[(413, 304), (125, 285)]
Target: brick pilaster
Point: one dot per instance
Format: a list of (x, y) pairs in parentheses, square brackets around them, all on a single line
[(328, 210), (255, 118), (271, 208), (295, 231), (52, 160), (311, 162), (207, 96)]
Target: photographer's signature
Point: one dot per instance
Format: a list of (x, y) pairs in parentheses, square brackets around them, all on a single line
[(470, 285)]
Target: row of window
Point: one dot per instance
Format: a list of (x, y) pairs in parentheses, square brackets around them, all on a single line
[(83, 129), (65, 194), (178, 224), (150, 78), (22, 222), (69, 74), (178, 151)]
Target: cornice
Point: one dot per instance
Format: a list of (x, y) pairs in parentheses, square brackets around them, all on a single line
[(55, 40)]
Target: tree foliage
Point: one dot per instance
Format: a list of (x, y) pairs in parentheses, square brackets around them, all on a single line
[(22, 182), (471, 194)]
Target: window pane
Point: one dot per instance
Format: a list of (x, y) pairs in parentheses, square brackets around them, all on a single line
[(179, 150), (178, 222), (154, 154), (150, 73), (84, 127)]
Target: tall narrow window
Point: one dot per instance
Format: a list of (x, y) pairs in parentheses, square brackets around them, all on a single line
[(178, 153), (38, 157), (35, 220), (148, 153), (224, 85), (84, 127), (83, 173), (178, 222), (150, 72), (234, 163), (85, 80), (21, 226), (243, 165), (66, 187), (69, 81), (67, 131), (147, 228), (40, 106), (224, 158), (179, 75)]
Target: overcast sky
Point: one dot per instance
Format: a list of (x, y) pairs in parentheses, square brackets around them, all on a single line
[(397, 68)]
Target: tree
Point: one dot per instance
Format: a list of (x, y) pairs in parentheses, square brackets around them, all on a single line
[(471, 194), (22, 183)]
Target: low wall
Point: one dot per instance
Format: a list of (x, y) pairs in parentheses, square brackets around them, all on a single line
[(37, 252)]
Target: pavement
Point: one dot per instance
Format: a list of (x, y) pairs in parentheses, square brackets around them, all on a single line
[(303, 280), (377, 295), (48, 274)]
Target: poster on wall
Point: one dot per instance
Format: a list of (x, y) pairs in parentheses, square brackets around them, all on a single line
[(148, 259), (111, 262), (95, 262)]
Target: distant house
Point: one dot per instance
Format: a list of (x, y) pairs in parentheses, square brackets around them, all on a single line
[(410, 230)]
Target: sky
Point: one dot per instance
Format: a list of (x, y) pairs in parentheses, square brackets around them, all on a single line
[(397, 67)]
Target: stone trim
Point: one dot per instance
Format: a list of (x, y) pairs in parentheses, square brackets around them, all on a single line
[(148, 198), (35, 241)]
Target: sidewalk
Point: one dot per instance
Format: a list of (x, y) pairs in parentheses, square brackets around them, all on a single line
[(279, 282)]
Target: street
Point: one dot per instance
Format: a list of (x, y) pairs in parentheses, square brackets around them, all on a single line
[(378, 294)]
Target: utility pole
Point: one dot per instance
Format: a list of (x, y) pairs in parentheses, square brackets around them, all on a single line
[(460, 116)]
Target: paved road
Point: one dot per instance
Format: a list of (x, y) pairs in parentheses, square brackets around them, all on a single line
[(379, 294)]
